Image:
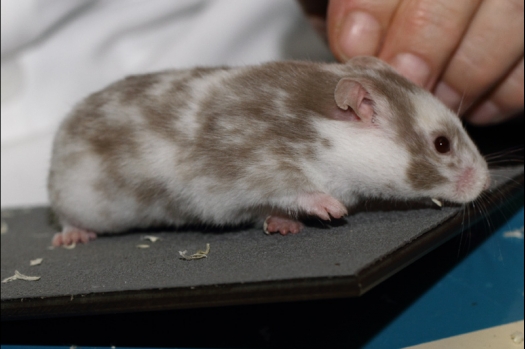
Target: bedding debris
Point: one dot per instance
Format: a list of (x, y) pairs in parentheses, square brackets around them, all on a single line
[(197, 255), (19, 276), (150, 238), (36, 261), (437, 202)]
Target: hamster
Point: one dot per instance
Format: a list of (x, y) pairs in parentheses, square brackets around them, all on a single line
[(274, 142)]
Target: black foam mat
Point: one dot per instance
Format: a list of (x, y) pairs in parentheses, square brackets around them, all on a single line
[(112, 274)]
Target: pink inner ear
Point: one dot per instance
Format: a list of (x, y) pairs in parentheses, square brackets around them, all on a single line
[(366, 110), (344, 115), (350, 93)]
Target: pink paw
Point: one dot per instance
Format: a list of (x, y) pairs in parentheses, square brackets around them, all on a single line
[(322, 205), (71, 235), (281, 225)]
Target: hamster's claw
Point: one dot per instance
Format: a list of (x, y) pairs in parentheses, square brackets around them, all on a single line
[(72, 235), (281, 225)]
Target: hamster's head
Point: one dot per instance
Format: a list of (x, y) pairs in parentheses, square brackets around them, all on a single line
[(440, 160), (444, 162)]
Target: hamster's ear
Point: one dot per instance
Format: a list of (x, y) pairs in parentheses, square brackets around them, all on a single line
[(351, 93)]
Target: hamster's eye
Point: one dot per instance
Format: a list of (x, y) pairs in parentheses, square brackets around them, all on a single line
[(442, 144)]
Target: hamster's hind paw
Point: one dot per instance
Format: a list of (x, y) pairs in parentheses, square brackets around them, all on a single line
[(72, 235), (281, 225)]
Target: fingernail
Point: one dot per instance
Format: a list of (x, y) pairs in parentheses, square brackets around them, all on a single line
[(448, 96), (360, 35), (412, 67), (486, 113)]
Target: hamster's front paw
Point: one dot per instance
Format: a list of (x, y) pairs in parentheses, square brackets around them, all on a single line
[(281, 225), (71, 235), (322, 205)]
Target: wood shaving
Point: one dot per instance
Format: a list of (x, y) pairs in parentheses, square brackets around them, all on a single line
[(517, 337), (437, 202), (5, 227), (19, 276), (150, 238), (197, 255), (143, 246), (36, 261), (70, 247)]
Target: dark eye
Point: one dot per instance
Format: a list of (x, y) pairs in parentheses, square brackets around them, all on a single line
[(442, 144)]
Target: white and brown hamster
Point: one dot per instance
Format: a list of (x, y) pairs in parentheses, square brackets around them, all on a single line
[(225, 146)]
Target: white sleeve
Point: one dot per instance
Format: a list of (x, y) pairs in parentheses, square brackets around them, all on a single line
[(55, 52)]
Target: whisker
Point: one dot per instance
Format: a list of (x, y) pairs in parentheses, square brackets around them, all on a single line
[(458, 112), (511, 150), (462, 230)]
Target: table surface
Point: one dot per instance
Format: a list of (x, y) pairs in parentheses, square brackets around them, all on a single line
[(478, 284)]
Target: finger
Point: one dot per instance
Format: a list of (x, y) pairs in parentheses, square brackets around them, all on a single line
[(357, 27), (490, 48), (504, 102), (423, 36)]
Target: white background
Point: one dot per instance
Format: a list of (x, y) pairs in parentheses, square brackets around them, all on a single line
[(55, 52)]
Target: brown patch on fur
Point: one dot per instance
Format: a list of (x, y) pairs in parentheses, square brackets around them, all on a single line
[(423, 175), (113, 141), (114, 152), (311, 90), (363, 64), (326, 143), (87, 113), (238, 137), (398, 80), (161, 111), (150, 191), (133, 88)]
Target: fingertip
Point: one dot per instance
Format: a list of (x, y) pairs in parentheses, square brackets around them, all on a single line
[(413, 68), (485, 114), (359, 34), (448, 96)]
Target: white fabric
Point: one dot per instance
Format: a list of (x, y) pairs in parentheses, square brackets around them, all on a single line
[(55, 52)]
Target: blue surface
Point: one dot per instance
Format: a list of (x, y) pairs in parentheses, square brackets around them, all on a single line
[(484, 290)]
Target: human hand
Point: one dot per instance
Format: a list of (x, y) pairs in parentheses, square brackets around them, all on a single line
[(468, 52)]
